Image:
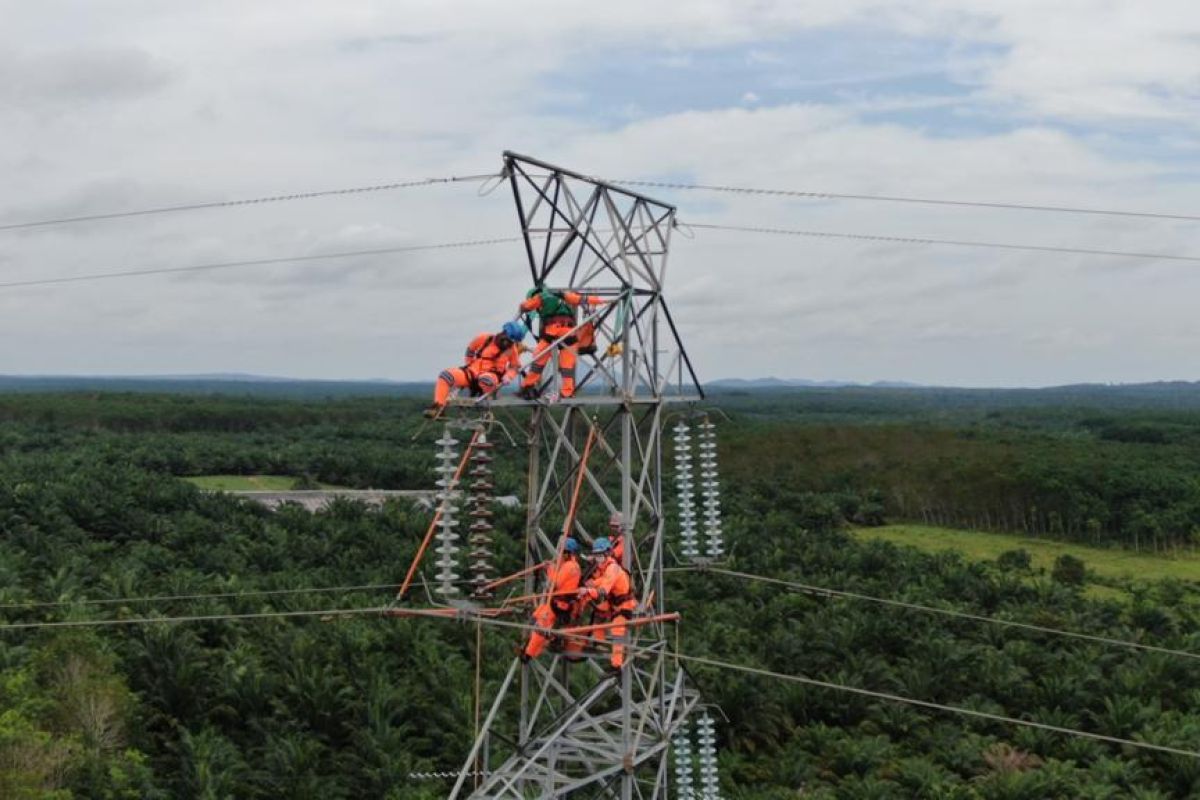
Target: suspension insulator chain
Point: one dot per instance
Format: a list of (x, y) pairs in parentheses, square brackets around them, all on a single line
[(706, 739), (483, 491), (685, 764), (689, 543), (447, 500), (710, 489)]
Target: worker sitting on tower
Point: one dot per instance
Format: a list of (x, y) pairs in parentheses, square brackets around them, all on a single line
[(492, 360), (556, 312), (610, 590), (562, 582)]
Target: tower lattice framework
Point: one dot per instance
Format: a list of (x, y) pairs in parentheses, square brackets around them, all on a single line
[(554, 728)]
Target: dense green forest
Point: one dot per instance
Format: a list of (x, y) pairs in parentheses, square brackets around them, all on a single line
[(1120, 468), (92, 509)]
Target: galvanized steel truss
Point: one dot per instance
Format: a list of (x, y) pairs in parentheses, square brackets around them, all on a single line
[(554, 728)]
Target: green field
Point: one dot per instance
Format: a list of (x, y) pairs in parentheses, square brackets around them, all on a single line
[(1111, 563), (248, 483)]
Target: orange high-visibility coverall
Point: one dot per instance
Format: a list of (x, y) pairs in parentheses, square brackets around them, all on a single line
[(563, 580), (487, 367), (551, 329), (618, 547), (611, 589)]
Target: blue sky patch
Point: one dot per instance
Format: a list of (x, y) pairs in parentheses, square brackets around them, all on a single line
[(820, 67)]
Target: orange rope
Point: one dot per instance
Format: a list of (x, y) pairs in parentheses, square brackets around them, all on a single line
[(528, 597), (513, 577), (412, 569), (569, 522), (632, 622)]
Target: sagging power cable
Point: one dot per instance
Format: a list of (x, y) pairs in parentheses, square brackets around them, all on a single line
[(257, 262), (743, 190), (171, 598), (869, 237), (278, 198), (128, 621), (826, 592), (970, 712), (461, 616), (813, 195), (888, 696)]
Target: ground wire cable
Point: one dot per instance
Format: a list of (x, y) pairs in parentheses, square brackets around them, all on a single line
[(257, 262), (279, 198), (743, 190), (915, 240), (812, 195)]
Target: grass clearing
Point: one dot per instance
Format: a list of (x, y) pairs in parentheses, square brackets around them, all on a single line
[(248, 483), (1111, 563)]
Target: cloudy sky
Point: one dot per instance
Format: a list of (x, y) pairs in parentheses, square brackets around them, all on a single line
[(119, 105)]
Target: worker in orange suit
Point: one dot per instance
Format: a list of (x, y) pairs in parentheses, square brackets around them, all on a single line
[(556, 312), (491, 361), (610, 591), (562, 581), (616, 535)]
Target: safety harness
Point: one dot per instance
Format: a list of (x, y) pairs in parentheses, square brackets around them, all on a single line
[(475, 354)]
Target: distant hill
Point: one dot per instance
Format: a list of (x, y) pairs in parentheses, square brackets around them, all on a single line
[(226, 383), (923, 400), (778, 383), (1160, 394)]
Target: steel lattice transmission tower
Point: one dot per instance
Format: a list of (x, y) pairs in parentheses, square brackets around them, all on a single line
[(553, 728)]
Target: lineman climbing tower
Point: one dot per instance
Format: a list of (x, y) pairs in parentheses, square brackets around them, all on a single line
[(554, 728)]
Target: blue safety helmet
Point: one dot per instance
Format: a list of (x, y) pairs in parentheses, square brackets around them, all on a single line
[(601, 545), (514, 330), (571, 546)]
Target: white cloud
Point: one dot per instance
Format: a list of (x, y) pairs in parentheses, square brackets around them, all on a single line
[(127, 105)]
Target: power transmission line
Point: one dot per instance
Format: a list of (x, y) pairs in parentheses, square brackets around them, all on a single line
[(919, 200), (823, 591), (257, 262), (279, 198), (800, 587), (970, 712), (709, 662), (745, 190), (510, 239), (867, 237), (109, 623), (168, 598), (895, 698)]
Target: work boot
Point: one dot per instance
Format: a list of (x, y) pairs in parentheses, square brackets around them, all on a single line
[(432, 412), (528, 393)]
